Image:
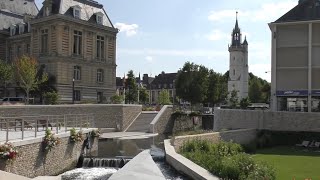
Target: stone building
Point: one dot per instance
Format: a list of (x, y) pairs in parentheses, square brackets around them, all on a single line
[(164, 81), (153, 85), (239, 70), (74, 40), (295, 83)]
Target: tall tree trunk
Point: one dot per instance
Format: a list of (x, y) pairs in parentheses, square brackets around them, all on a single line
[(27, 91)]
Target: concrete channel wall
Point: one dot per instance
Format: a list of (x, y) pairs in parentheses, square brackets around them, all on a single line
[(243, 136), (268, 120), (163, 122), (105, 115), (186, 166), (34, 161)]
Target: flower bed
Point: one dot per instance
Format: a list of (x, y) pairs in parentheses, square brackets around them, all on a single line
[(226, 160), (8, 151), (76, 136), (50, 140)]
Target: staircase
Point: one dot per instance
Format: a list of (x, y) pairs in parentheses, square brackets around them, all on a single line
[(142, 123)]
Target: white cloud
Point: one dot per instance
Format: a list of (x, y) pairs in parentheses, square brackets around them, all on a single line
[(129, 29), (217, 35), (149, 59), (267, 12)]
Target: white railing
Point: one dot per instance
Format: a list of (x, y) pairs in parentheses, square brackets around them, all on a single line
[(21, 127)]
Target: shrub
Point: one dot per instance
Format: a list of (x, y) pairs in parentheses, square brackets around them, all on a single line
[(51, 97), (226, 160)]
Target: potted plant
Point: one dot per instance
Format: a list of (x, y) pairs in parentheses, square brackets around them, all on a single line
[(8, 151), (76, 136), (50, 140)]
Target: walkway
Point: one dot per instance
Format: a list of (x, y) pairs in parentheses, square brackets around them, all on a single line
[(127, 135), (142, 123)]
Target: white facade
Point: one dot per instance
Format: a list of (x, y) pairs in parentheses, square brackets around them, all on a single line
[(238, 69)]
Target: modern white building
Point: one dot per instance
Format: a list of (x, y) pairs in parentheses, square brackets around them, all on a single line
[(239, 70), (295, 83)]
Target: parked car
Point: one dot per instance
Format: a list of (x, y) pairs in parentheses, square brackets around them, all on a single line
[(7, 101)]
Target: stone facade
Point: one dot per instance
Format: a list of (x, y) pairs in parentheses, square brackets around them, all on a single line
[(33, 161), (105, 116), (71, 43), (238, 64), (243, 136), (276, 121)]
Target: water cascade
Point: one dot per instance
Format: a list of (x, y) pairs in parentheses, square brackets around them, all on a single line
[(104, 162)]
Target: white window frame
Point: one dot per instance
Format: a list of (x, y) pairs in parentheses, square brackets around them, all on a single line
[(99, 18), (75, 10), (12, 30), (100, 73), (21, 28)]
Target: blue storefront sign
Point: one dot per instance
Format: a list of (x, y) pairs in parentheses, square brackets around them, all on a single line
[(293, 93), (316, 93)]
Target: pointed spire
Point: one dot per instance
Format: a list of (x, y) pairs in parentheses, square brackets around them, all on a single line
[(245, 42), (236, 28)]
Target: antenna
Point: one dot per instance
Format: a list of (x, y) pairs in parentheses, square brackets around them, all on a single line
[(236, 15)]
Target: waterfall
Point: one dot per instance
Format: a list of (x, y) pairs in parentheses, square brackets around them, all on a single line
[(104, 162)]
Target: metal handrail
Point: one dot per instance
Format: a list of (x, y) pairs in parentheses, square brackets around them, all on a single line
[(57, 123)]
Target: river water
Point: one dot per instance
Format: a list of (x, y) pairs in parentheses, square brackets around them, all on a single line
[(125, 149)]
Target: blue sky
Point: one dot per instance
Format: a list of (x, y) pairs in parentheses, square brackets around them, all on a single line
[(161, 35)]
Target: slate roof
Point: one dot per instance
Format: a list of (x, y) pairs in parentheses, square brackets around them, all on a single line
[(89, 9), (20, 7), (12, 11), (163, 78), (305, 11)]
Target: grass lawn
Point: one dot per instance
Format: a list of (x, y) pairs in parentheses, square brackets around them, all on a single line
[(292, 163)]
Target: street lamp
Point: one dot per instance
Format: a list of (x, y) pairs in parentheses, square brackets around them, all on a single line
[(73, 91)]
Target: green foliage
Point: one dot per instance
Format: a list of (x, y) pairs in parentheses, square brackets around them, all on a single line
[(143, 95), (226, 160), (26, 74), (192, 83), (259, 89), (233, 100), (116, 99), (244, 103), (51, 97), (217, 88), (6, 74), (131, 88), (164, 97)]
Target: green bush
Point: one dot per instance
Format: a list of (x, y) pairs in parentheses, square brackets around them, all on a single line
[(51, 97), (226, 160)]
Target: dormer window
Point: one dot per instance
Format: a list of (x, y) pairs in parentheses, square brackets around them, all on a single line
[(12, 30), (77, 12), (99, 18), (21, 28)]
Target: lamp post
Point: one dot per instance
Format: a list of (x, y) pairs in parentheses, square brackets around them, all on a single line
[(73, 91)]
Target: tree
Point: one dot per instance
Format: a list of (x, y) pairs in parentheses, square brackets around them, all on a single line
[(244, 103), (255, 93), (233, 100), (6, 74), (143, 95), (217, 88), (131, 88), (26, 74), (116, 99), (164, 97), (192, 83)]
